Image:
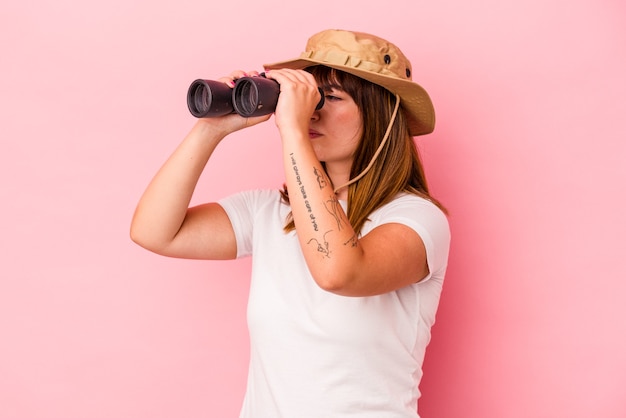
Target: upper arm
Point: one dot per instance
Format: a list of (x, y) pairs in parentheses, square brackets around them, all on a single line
[(392, 256), (206, 233)]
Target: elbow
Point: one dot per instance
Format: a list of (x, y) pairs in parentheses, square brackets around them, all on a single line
[(142, 232), (329, 285), (142, 238), (335, 283), (135, 231), (136, 236), (340, 276), (342, 273)]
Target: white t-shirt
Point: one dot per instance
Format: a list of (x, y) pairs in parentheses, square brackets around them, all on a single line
[(317, 354)]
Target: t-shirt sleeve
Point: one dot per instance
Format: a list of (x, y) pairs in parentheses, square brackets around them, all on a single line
[(242, 209), (429, 222)]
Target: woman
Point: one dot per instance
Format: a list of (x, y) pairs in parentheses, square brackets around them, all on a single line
[(349, 258)]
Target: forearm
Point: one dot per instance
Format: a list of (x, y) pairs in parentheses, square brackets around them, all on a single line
[(328, 241), (163, 206)]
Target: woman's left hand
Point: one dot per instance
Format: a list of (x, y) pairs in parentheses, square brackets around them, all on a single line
[(299, 96)]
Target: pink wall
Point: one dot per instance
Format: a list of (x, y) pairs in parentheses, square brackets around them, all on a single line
[(529, 154)]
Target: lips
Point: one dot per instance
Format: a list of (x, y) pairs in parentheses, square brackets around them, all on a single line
[(313, 133)]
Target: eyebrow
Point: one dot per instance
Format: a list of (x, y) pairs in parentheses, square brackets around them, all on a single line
[(331, 86)]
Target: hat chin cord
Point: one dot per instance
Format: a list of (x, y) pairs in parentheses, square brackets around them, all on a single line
[(380, 147)]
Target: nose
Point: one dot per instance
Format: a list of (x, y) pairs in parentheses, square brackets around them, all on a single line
[(315, 115)]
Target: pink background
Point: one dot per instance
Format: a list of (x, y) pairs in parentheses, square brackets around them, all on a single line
[(529, 155)]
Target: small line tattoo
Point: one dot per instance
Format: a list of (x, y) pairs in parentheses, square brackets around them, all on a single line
[(321, 179), (334, 208), (322, 247), (353, 241)]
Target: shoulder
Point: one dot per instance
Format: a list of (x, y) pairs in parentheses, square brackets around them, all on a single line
[(251, 198), (251, 211), (412, 209)]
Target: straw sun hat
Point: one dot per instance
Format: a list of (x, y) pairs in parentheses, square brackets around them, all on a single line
[(373, 59)]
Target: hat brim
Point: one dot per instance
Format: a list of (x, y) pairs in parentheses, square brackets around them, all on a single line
[(413, 98)]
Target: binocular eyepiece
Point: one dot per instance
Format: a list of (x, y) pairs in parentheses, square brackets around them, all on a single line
[(251, 96)]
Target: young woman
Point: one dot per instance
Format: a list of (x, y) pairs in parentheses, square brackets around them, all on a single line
[(349, 258)]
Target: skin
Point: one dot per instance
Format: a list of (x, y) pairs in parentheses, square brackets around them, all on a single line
[(389, 257)]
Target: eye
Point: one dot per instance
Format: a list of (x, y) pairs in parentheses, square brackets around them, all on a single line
[(333, 94)]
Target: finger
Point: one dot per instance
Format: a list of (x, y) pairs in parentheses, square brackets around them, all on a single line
[(283, 77), (235, 75), (295, 76)]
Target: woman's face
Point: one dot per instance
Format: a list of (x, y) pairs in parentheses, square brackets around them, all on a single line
[(335, 129)]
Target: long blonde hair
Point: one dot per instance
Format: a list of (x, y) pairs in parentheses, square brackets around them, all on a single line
[(398, 167)]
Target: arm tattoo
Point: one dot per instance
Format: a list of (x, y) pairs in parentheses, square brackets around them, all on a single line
[(334, 208), (297, 173), (321, 179), (322, 247), (353, 241)]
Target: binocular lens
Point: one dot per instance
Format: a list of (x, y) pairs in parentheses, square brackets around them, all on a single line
[(255, 96), (200, 98), (207, 98), (246, 98)]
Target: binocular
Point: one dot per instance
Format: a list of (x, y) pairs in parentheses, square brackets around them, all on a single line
[(251, 96)]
